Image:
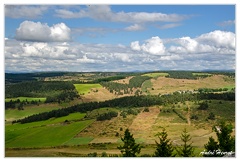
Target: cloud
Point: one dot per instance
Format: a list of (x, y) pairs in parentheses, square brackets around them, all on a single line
[(216, 42), (153, 46), (135, 46), (24, 11), (183, 53), (227, 23), (85, 59), (104, 13), (169, 25), (31, 31), (134, 27), (217, 38)]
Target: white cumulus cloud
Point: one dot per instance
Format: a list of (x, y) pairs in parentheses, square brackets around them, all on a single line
[(218, 38), (153, 46), (37, 31), (216, 42), (135, 46)]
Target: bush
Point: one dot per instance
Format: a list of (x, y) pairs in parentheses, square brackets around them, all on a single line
[(194, 117), (94, 154), (203, 106), (146, 109), (104, 154), (211, 116)]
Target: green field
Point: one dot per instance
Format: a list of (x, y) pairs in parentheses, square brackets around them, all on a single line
[(29, 99), (14, 114), (146, 86), (86, 88), (79, 140), (155, 74), (38, 134)]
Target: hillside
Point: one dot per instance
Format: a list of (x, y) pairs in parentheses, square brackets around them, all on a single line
[(170, 103)]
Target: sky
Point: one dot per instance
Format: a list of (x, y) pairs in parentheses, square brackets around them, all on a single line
[(123, 38)]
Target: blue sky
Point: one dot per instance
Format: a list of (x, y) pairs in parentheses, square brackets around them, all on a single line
[(119, 37)]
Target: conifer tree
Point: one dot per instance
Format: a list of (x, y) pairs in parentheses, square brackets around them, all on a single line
[(225, 143), (211, 148), (164, 147), (186, 150), (129, 148)]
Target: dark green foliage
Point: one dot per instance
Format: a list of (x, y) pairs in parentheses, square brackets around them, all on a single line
[(118, 88), (186, 150), (203, 106), (146, 109), (107, 116), (94, 154), (129, 148), (164, 147), (107, 79), (207, 90), (53, 91), (104, 154), (226, 143), (211, 116), (194, 117), (181, 75), (128, 101), (211, 148), (146, 155)]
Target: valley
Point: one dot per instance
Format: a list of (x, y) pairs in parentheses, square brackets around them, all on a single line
[(78, 114)]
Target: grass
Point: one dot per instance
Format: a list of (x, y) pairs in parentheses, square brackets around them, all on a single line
[(14, 114), (52, 135), (29, 99), (146, 85), (70, 117), (86, 88), (79, 141), (221, 109), (154, 75)]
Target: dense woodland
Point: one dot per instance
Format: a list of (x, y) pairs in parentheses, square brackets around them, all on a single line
[(54, 91)]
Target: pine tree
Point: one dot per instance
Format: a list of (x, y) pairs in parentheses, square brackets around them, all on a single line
[(129, 148), (211, 147), (186, 150), (226, 141), (164, 147)]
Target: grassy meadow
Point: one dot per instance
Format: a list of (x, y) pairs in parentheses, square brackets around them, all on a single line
[(155, 75), (86, 88)]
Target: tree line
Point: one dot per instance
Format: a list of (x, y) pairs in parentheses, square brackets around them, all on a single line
[(127, 101), (120, 89), (56, 91)]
